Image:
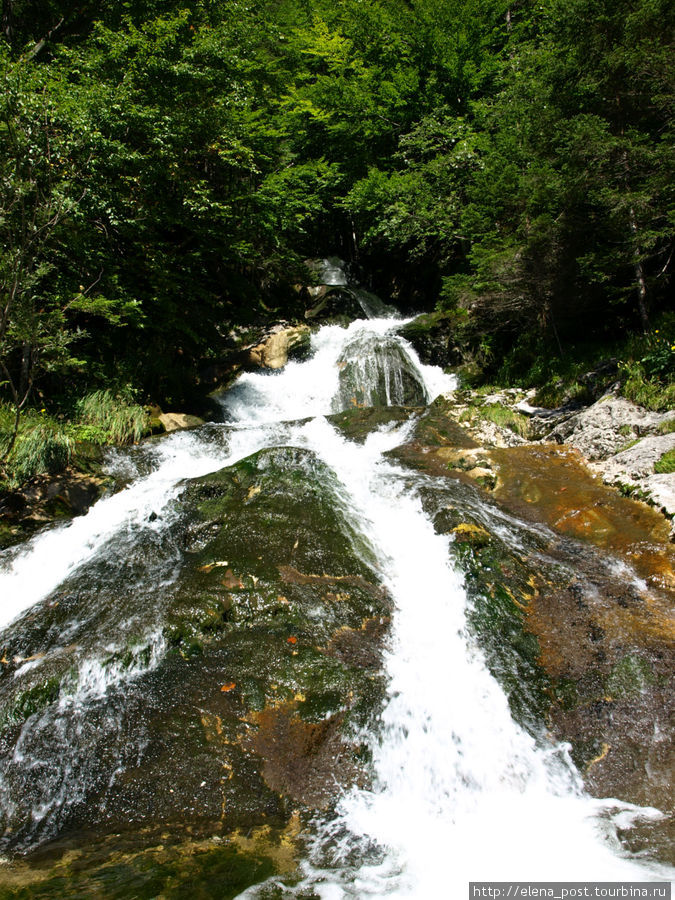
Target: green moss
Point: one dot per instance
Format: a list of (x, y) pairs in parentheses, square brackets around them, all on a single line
[(497, 621), (630, 677), (357, 423), (222, 872), (31, 701), (565, 692), (584, 751), (666, 464)]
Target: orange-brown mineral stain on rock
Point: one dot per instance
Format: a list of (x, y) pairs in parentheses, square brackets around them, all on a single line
[(302, 760), (231, 581), (550, 484)]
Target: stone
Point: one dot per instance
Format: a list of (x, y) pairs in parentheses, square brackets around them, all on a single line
[(249, 701), (432, 335), (178, 421), (602, 429), (378, 374), (632, 469), (280, 345)]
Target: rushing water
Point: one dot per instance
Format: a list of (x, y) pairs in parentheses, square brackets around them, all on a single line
[(461, 792)]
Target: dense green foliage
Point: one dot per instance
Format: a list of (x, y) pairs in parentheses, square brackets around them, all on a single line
[(165, 167)]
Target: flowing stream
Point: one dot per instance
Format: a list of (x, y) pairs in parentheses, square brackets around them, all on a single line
[(460, 792)]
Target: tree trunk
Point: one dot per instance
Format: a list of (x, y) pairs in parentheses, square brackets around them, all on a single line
[(8, 19), (639, 273)]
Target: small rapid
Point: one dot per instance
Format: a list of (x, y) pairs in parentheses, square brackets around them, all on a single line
[(459, 792), (462, 793)]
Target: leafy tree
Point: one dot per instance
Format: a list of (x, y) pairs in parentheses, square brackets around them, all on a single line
[(41, 192)]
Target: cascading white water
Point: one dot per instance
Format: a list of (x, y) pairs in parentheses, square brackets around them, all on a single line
[(461, 792)]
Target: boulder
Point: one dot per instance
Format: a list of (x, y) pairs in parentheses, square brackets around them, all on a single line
[(247, 679), (602, 429), (378, 374), (332, 304), (432, 335), (632, 470), (178, 421), (278, 346)]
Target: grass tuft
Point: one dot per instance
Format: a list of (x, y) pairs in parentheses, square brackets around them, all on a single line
[(666, 464), (43, 446), (109, 418), (506, 418), (667, 427)]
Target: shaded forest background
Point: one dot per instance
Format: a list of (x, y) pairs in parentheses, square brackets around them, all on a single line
[(164, 172)]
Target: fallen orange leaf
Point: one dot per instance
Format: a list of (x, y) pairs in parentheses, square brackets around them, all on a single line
[(229, 687)]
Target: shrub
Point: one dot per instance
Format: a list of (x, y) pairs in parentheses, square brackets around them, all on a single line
[(43, 446), (659, 361)]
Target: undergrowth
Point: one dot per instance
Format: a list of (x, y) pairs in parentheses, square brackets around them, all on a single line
[(105, 417), (642, 366), (653, 393), (43, 446), (46, 444)]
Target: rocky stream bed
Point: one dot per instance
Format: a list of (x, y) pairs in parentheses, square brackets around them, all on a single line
[(191, 757)]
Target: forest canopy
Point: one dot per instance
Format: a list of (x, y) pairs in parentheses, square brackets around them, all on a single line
[(165, 169)]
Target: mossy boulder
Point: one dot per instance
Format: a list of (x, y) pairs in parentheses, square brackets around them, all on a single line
[(248, 705), (433, 336), (378, 374), (357, 423)]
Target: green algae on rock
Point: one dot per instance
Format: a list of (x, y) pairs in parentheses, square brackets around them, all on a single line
[(251, 707)]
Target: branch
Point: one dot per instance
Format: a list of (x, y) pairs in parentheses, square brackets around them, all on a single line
[(42, 42)]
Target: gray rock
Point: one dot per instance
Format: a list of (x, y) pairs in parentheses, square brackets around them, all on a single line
[(378, 374), (601, 430), (639, 460), (634, 468)]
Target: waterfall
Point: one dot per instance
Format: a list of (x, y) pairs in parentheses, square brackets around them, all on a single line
[(460, 791)]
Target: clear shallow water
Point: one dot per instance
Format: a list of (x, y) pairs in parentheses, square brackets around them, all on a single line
[(460, 792)]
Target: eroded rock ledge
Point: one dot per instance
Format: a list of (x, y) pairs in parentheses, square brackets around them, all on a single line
[(618, 441), (570, 589)]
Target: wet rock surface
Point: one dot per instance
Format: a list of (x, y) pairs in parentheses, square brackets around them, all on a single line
[(238, 705), (46, 499), (574, 613), (382, 376), (619, 441), (240, 701)]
